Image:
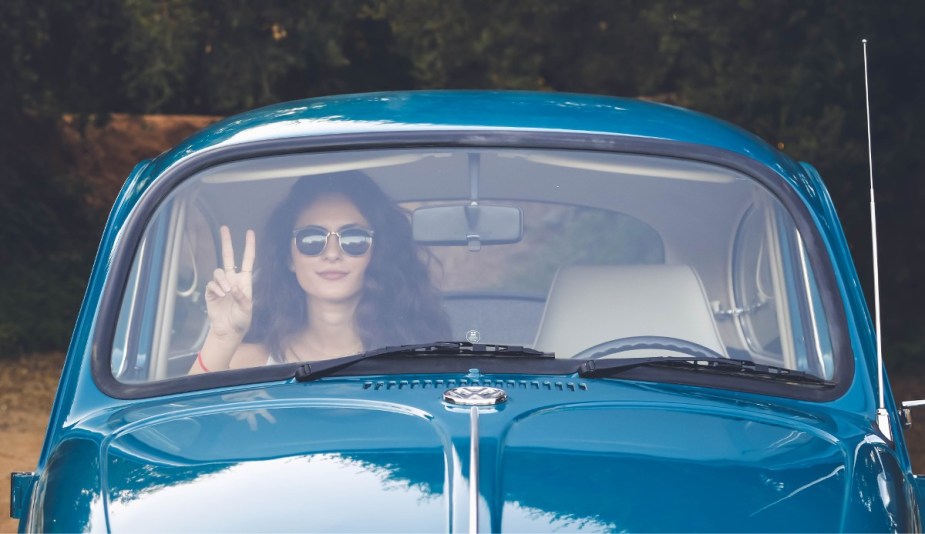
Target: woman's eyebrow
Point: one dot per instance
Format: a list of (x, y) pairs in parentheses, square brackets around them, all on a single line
[(326, 229), (353, 225), (307, 226)]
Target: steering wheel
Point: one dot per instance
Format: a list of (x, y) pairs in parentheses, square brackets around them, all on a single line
[(648, 342)]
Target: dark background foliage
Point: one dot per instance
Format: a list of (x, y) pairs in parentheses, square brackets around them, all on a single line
[(790, 71)]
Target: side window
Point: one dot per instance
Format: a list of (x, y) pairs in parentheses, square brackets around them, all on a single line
[(134, 340), (825, 363), (125, 353), (163, 321), (754, 292), (569, 235), (194, 259), (777, 303)]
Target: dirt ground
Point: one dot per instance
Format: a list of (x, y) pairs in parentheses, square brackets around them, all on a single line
[(27, 389), (28, 384)]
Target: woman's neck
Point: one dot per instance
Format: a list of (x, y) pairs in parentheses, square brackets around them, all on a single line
[(331, 330)]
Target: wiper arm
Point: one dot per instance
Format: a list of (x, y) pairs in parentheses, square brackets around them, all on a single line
[(315, 370), (596, 368)]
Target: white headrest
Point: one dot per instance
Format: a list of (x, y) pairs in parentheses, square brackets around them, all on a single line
[(591, 304)]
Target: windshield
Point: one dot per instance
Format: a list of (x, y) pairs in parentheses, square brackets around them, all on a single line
[(303, 258)]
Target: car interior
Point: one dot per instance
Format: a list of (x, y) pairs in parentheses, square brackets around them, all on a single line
[(571, 249)]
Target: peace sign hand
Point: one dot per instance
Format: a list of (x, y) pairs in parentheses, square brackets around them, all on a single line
[(229, 300)]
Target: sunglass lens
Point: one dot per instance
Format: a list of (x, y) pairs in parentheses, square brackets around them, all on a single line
[(355, 242), (311, 241)]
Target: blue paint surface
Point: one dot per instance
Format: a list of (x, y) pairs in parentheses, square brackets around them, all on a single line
[(384, 453)]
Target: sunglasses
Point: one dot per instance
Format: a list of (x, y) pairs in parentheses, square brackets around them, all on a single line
[(312, 240)]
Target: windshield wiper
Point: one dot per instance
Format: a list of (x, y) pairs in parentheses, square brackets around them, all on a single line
[(596, 369), (315, 370)]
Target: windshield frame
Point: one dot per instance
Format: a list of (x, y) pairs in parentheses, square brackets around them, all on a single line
[(166, 181)]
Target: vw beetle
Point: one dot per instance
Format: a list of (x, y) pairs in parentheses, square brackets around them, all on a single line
[(656, 326)]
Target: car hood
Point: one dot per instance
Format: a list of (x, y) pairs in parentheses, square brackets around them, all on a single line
[(390, 455)]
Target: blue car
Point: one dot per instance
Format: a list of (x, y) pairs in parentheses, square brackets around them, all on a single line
[(473, 311)]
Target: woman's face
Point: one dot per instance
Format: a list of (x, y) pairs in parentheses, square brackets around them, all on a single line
[(332, 275)]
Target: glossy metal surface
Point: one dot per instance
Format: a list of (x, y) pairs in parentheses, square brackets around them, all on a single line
[(345, 454), (474, 439), (475, 396), (608, 455)]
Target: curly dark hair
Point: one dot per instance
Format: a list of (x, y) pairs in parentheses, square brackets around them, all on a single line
[(398, 305)]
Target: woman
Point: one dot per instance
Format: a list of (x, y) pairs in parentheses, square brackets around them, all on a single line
[(338, 273)]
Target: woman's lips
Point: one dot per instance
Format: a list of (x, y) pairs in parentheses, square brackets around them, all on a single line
[(332, 275)]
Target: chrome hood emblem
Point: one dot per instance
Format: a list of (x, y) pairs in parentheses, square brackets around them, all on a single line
[(475, 396)]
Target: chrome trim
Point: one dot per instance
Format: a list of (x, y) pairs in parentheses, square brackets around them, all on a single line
[(473, 470), (475, 396)]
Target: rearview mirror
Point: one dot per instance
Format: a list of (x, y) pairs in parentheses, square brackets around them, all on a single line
[(471, 225)]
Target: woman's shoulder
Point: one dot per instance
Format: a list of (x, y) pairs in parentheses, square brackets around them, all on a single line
[(250, 355)]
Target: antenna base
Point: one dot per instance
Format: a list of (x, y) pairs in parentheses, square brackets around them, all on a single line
[(883, 423)]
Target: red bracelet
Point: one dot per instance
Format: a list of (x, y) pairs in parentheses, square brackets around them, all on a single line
[(199, 359)]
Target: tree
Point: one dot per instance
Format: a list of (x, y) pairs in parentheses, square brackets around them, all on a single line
[(788, 70)]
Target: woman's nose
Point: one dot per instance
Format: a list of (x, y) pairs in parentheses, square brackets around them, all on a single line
[(332, 249)]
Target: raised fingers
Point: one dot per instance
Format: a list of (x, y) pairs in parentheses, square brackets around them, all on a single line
[(227, 249), (250, 245)]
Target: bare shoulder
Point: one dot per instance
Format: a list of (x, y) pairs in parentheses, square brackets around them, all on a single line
[(249, 355)]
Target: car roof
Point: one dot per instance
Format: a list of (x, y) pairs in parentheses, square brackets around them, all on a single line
[(479, 110), (479, 113)]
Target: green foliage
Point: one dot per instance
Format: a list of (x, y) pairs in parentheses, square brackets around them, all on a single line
[(47, 237), (789, 70), (189, 56)]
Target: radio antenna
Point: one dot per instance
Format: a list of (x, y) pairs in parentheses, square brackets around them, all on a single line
[(883, 419)]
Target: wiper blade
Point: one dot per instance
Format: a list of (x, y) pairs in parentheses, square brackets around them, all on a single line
[(315, 370), (595, 368)]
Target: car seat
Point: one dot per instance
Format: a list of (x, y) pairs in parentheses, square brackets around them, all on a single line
[(592, 304)]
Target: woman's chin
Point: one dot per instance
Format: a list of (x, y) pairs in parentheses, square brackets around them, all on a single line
[(336, 295)]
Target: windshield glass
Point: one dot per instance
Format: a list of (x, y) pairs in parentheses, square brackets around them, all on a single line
[(296, 258)]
